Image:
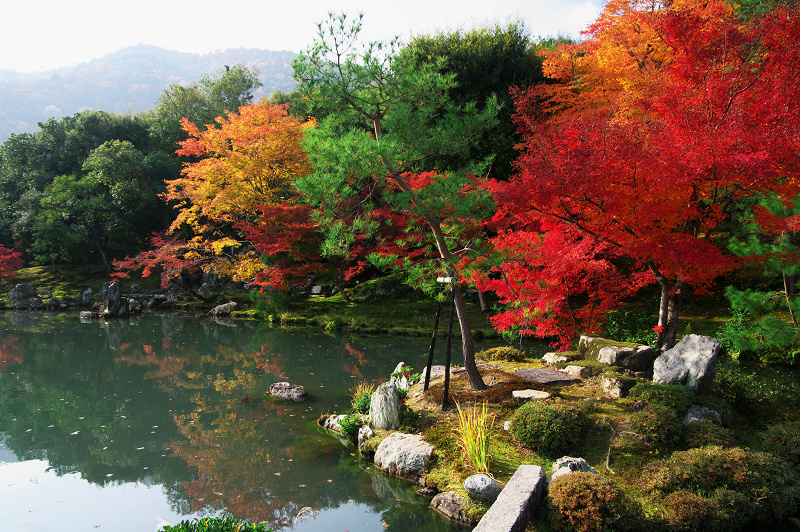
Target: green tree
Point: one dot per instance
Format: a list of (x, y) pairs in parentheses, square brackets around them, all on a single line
[(110, 208), (486, 62), (765, 320), (386, 119), (201, 102)]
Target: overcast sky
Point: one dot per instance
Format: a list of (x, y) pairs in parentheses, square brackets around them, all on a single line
[(38, 35)]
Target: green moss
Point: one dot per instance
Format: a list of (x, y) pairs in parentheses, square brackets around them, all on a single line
[(591, 350)]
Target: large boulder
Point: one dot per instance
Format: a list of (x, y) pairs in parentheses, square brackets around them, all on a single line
[(483, 488), (404, 455), (22, 292), (285, 390), (639, 358), (384, 407), (692, 362)]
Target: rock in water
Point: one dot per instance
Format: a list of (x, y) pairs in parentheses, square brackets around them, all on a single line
[(384, 407), (404, 455), (284, 390)]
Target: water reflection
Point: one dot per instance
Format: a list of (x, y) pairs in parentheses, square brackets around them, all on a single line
[(180, 403)]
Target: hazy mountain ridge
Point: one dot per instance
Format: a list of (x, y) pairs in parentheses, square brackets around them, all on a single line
[(130, 80)]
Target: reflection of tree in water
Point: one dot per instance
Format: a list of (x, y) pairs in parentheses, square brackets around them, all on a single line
[(10, 352), (160, 401)]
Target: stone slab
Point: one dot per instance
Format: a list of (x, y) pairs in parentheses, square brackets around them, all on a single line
[(527, 395), (547, 377), (516, 504)]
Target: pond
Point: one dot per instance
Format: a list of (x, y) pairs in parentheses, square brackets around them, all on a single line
[(127, 425)]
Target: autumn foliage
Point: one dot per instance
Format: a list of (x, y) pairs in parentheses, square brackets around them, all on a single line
[(10, 262), (659, 123), (246, 163)]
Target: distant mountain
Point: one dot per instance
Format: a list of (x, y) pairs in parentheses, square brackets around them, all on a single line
[(130, 80)]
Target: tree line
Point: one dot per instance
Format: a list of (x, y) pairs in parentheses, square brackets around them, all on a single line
[(564, 177)]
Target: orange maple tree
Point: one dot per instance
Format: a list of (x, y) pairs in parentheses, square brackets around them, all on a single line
[(666, 116), (245, 163)]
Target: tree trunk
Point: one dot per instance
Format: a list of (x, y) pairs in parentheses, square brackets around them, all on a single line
[(96, 241), (482, 301), (468, 347), (669, 309)]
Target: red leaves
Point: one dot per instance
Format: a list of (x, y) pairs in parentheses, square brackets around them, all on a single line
[(10, 262), (664, 117)]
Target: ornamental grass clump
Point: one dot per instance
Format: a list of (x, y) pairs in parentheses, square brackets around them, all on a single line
[(475, 426), (362, 397)]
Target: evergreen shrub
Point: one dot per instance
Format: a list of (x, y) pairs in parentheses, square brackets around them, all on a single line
[(737, 486), (587, 502), (705, 433), (550, 427), (676, 397), (783, 441), (659, 424)]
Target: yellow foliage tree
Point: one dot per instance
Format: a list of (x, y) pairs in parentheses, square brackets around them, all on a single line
[(249, 159)]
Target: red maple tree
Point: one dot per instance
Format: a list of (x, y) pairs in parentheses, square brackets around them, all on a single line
[(665, 117)]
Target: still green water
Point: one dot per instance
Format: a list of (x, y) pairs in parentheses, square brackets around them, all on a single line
[(127, 425)]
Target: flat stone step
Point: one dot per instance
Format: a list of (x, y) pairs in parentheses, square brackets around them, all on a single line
[(516, 504), (547, 377), (527, 395)]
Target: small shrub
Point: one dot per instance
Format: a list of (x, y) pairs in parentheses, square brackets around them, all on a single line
[(549, 426), (587, 502), (350, 425), (674, 396), (659, 425), (475, 427), (706, 433), (508, 353), (741, 485), (783, 441), (688, 511), (216, 524), (362, 397), (402, 394), (336, 324)]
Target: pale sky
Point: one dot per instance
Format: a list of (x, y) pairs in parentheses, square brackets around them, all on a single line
[(38, 35)]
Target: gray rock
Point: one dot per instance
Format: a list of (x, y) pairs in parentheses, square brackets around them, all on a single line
[(332, 422), (697, 413), (450, 505), (45, 294), (483, 488), (135, 288), (569, 464), (384, 407), (86, 297), (285, 390), (436, 371), (22, 292), (35, 303), (582, 372), (553, 358), (517, 502), (116, 306), (640, 358), (527, 395), (223, 310), (617, 387), (692, 362), (404, 455), (400, 380), (364, 433)]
